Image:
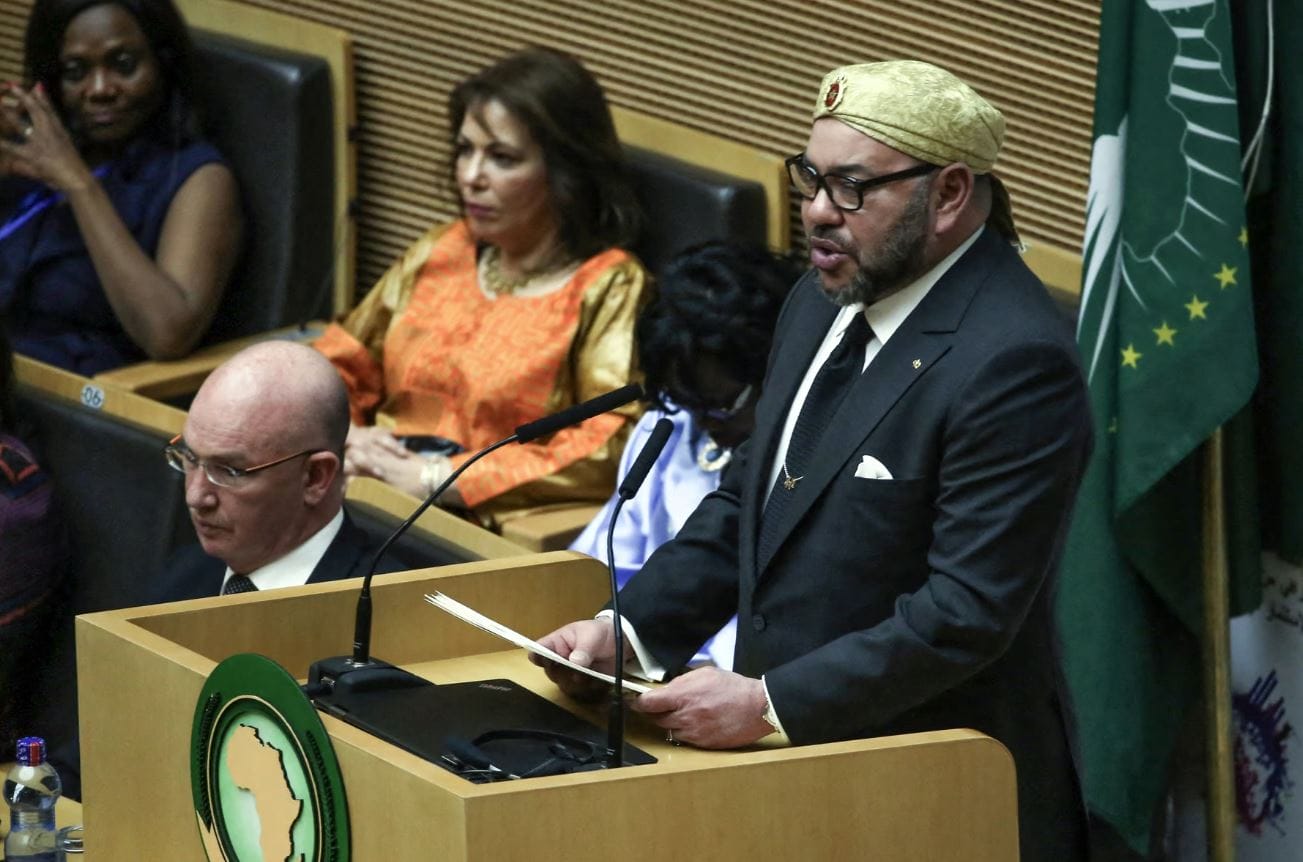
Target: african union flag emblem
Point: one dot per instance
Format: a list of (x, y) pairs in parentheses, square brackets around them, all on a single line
[(263, 773)]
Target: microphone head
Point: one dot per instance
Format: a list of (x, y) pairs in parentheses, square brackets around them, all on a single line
[(651, 450), (577, 413)]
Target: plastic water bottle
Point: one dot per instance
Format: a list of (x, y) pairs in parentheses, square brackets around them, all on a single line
[(31, 789)]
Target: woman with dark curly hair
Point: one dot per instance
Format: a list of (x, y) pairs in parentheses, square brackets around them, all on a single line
[(119, 224), (522, 307), (702, 344)]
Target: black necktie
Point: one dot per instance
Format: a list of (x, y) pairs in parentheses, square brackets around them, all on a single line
[(826, 394), (238, 584)]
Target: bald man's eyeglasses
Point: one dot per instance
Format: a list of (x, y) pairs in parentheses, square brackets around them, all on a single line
[(181, 459), (846, 193)]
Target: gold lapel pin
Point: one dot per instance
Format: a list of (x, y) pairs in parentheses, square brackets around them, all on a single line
[(918, 363)]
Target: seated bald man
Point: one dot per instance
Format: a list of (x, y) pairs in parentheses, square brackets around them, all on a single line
[(262, 451)]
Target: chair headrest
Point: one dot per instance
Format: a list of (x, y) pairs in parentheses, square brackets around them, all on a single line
[(271, 114), (124, 509), (684, 205)]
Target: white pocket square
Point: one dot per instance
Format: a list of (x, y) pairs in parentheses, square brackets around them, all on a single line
[(871, 468)]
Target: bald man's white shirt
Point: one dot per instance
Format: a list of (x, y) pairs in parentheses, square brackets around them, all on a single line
[(294, 569)]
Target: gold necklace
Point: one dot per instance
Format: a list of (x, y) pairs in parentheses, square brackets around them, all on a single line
[(497, 283), (789, 481)]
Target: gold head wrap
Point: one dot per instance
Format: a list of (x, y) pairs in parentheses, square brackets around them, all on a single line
[(917, 108), (924, 111)]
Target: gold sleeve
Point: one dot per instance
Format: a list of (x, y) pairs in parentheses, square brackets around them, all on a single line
[(355, 343)]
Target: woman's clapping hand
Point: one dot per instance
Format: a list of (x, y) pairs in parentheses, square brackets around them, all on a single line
[(34, 142)]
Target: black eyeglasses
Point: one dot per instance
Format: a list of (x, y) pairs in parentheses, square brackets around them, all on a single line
[(846, 193), (181, 459)]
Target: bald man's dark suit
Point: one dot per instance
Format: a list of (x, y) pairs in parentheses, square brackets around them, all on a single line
[(192, 574), (922, 601)]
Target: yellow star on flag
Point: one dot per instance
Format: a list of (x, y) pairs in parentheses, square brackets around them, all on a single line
[(1165, 334), (1196, 308), (1226, 276), (1131, 357), (1244, 236)]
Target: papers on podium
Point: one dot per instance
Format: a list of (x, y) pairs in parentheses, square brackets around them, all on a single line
[(493, 627)]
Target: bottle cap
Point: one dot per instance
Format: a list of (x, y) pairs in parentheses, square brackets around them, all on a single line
[(31, 751)]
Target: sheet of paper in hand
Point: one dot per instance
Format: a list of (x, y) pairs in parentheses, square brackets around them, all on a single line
[(493, 627)]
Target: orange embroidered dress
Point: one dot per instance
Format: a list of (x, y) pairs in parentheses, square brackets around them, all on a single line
[(427, 352)]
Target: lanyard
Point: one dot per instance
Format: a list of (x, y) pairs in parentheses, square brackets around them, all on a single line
[(37, 201)]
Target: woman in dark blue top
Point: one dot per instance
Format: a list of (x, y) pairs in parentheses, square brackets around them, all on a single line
[(119, 226)]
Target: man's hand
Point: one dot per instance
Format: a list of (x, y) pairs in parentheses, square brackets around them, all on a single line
[(590, 643), (709, 708)]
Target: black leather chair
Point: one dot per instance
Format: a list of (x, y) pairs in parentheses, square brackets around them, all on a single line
[(124, 513), (415, 549), (684, 204), (437, 538), (125, 510), (272, 115)]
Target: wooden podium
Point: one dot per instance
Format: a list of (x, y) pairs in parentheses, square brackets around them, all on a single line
[(943, 795)]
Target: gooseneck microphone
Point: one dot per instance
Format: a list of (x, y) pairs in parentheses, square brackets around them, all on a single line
[(604, 403), (361, 672), (642, 465)]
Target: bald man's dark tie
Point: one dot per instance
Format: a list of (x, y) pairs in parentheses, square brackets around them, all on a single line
[(834, 380), (238, 584)]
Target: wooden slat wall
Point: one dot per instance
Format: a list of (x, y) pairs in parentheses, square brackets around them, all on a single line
[(742, 69)]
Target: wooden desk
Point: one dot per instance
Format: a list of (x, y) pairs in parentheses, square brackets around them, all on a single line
[(550, 528)]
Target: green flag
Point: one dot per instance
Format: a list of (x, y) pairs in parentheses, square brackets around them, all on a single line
[(1166, 335)]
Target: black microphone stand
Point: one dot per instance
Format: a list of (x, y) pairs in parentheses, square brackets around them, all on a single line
[(633, 480), (360, 671), (615, 720)]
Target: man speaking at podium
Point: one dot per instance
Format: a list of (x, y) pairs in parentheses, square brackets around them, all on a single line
[(889, 535), (262, 455)]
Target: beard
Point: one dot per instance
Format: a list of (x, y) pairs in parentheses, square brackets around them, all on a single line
[(897, 259)]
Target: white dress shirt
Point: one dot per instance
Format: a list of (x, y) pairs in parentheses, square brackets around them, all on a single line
[(294, 569)]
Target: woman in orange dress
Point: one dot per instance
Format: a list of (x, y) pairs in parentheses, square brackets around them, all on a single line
[(524, 306)]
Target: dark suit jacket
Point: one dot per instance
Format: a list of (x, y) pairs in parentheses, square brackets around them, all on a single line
[(192, 574), (920, 602)]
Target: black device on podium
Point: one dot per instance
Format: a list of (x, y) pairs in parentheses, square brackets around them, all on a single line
[(497, 729)]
